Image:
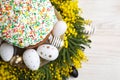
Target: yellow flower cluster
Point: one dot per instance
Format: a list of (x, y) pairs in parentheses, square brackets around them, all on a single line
[(81, 54), (36, 75), (87, 22), (79, 58), (76, 62), (66, 70), (6, 74), (55, 72), (69, 15), (60, 70), (69, 12), (57, 75)]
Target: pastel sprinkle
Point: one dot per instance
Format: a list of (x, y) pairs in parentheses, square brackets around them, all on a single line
[(26, 22)]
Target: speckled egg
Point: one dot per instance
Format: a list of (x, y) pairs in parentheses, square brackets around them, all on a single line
[(6, 51), (48, 52), (31, 59)]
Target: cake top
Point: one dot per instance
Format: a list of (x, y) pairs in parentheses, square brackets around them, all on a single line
[(26, 22)]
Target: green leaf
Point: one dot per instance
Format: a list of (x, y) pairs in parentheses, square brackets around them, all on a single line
[(68, 57)]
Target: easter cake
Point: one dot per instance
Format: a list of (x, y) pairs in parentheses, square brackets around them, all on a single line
[(26, 23)]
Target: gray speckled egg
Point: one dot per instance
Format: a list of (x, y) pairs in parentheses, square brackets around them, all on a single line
[(48, 52), (6, 51), (31, 59)]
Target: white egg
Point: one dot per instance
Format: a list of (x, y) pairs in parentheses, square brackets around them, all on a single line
[(31, 59), (6, 51), (48, 52), (59, 28)]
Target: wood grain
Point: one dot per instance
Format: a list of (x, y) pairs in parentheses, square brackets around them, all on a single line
[(104, 56)]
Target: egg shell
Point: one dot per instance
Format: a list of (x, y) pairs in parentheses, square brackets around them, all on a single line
[(48, 52), (59, 28), (6, 51), (31, 59)]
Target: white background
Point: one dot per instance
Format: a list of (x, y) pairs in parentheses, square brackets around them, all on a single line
[(104, 56)]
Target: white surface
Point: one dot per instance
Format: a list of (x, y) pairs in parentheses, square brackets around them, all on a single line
[(104, 56)]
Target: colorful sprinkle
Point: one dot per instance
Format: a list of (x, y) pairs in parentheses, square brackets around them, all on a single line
[(26, 22)]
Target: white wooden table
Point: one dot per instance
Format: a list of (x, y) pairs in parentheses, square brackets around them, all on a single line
[(104, 56)]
